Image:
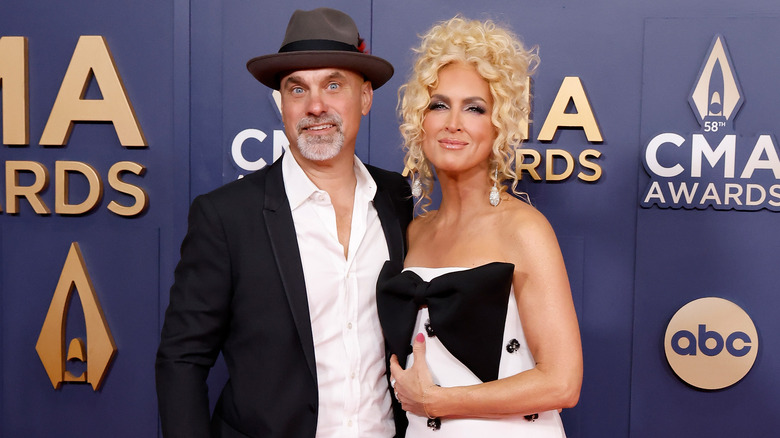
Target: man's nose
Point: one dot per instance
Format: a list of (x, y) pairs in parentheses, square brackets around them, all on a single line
[(316, 105)]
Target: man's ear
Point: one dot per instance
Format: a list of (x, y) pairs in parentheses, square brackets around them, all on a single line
[(366, 97)]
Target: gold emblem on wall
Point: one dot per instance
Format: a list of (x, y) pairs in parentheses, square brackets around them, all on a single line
[(100, 349)]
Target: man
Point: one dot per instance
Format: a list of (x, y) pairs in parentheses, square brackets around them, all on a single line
[(278, 269)]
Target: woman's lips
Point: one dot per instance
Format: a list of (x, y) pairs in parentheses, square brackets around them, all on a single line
[(451, 143)]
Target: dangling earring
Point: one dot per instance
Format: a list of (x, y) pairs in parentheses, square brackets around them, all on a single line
[(416, 186), (495, 197)]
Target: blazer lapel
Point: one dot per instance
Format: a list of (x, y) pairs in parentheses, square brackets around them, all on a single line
[(390, 225), (284, 243)]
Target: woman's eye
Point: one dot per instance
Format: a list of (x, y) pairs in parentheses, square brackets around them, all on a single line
[(476, 109), (437, 106)]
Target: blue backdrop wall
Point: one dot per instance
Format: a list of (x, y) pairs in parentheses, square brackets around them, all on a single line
[(635, 256)]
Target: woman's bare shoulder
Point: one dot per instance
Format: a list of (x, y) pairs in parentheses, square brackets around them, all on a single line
[(521, 215), (526, 229)]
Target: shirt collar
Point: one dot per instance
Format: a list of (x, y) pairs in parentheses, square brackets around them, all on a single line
[(299, 187)]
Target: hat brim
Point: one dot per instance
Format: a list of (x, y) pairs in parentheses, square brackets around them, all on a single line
[(268, 69)]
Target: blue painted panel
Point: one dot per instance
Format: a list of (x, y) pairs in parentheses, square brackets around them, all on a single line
[(684, 254)]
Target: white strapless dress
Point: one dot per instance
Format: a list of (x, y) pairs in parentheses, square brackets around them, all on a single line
[(449, 371)]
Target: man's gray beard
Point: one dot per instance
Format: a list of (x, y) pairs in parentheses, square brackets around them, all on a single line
[(319, 147)]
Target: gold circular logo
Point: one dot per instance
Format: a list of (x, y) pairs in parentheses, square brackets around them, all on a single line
[(711, 343)]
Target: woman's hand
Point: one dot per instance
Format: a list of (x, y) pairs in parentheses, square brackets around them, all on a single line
[(413, 385)]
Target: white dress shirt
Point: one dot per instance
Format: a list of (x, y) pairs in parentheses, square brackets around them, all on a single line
[(354, 400)]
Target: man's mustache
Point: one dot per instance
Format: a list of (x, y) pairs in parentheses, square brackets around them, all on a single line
[(306, 122)]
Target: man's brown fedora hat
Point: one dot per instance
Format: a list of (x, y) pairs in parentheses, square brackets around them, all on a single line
[(320, 38)]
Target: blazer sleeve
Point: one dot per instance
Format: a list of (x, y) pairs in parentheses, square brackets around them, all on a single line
[(196, 322)]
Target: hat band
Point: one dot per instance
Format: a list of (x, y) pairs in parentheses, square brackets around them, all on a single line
[(314, 45)]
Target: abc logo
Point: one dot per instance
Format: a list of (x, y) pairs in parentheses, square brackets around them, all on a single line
[(711, 343)]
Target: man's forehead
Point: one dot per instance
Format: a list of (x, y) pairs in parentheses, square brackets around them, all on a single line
[(317, 74)]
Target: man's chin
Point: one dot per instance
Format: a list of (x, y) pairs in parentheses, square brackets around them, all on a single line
[(319, 152), (320, 148)]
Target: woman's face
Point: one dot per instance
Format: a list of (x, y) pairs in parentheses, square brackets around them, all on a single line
[(458, 132)]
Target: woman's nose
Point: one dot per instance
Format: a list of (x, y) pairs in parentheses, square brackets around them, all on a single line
[(453, 122)]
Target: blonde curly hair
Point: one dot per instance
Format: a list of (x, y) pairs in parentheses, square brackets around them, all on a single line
[(501, 59)]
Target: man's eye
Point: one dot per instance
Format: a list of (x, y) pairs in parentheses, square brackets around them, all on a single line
[(296, 90), (333, 86)]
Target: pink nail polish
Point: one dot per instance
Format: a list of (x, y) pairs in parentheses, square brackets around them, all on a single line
[(420, 337)]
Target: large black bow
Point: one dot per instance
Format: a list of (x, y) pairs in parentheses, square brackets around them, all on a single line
[(467, 312)]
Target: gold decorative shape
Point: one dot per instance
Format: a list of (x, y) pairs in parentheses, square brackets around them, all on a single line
[(584, 155), (76, 352), (530, 167), (91, 57), (571, 91), (14, 77), (51, 342), (62, 171), (13, 191), (550, 156), (141, 198)]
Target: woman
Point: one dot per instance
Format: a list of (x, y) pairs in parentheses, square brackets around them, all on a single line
[(484, 297)]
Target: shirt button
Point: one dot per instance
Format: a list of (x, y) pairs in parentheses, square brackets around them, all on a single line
[(349, 325), (349, 423), (352, 375)]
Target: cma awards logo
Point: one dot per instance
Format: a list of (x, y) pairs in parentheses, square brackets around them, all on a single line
[(100, 350), (714, 167), (711, 343)]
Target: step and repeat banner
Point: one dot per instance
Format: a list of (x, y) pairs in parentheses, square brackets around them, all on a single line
[(652, 149)]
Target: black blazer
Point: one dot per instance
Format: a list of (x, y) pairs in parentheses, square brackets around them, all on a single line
[(239, 289)]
